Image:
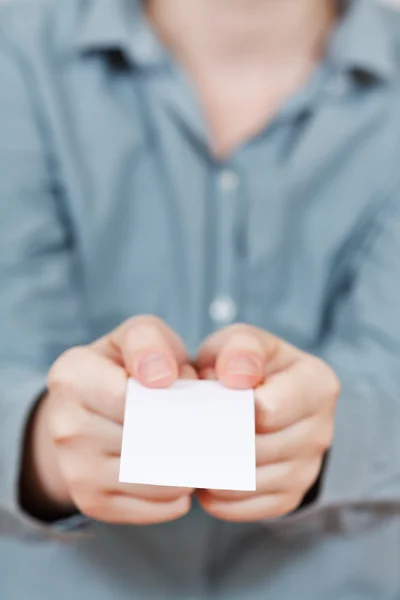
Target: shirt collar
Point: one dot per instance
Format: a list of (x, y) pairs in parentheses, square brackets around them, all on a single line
[(106, 25), (362, 41)]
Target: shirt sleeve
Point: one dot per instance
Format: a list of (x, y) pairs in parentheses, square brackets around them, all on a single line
[(39, 299), (363, 465)]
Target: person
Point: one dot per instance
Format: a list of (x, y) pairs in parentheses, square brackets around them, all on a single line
[(200, 188)]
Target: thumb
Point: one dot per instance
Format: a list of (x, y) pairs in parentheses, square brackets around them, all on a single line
[(244, 356), (147, 348)]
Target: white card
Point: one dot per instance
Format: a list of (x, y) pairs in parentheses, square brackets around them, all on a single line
[(196, 434)]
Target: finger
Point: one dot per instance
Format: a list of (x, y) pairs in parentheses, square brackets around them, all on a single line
[(187, 372), (150, 351), (245, 355), (127, 510), (305, 439), (305, 389), (277, 479), (90, 474), (109, 482), (81, 429), (241, 361), (208, 374), (255, 508), (91, 379)]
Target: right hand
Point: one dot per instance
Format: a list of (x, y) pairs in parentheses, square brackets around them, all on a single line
[(77, 430)]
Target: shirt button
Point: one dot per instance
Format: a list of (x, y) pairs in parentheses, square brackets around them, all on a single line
[(229, 181), (223, 310)]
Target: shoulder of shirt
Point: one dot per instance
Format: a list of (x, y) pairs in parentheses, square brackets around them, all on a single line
[(53, 22), (390, 16), (34, 26)]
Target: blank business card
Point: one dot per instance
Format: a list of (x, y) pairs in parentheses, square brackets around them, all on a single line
[(195, 434)]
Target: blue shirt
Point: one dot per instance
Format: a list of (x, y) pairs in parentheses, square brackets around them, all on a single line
[(111, 204)]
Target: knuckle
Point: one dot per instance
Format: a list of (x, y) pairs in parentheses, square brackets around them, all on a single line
[(244, 340), (150, 322), (143, 334), (58, 377), (282, 504), (88, 495), (305, 477), (62, 438), (324, 441), (335, 385), (311, 366), (290, 503), (69, 424), (61, 373), (238, 328), (63, 431), (329, 380), (93, 505)]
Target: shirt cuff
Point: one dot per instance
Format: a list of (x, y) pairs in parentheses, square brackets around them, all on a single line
[(15, 412), (349, 465), (349, 469)]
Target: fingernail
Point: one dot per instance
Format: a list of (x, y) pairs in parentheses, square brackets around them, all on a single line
[(154, 367), (243, 365)]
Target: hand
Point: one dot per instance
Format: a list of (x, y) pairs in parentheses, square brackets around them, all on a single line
[(76, 434), (295, 395)]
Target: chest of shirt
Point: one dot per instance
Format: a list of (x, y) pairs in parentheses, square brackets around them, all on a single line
[(160, 227)]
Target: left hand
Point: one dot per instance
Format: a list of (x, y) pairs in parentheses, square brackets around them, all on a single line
[(295, 396)]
